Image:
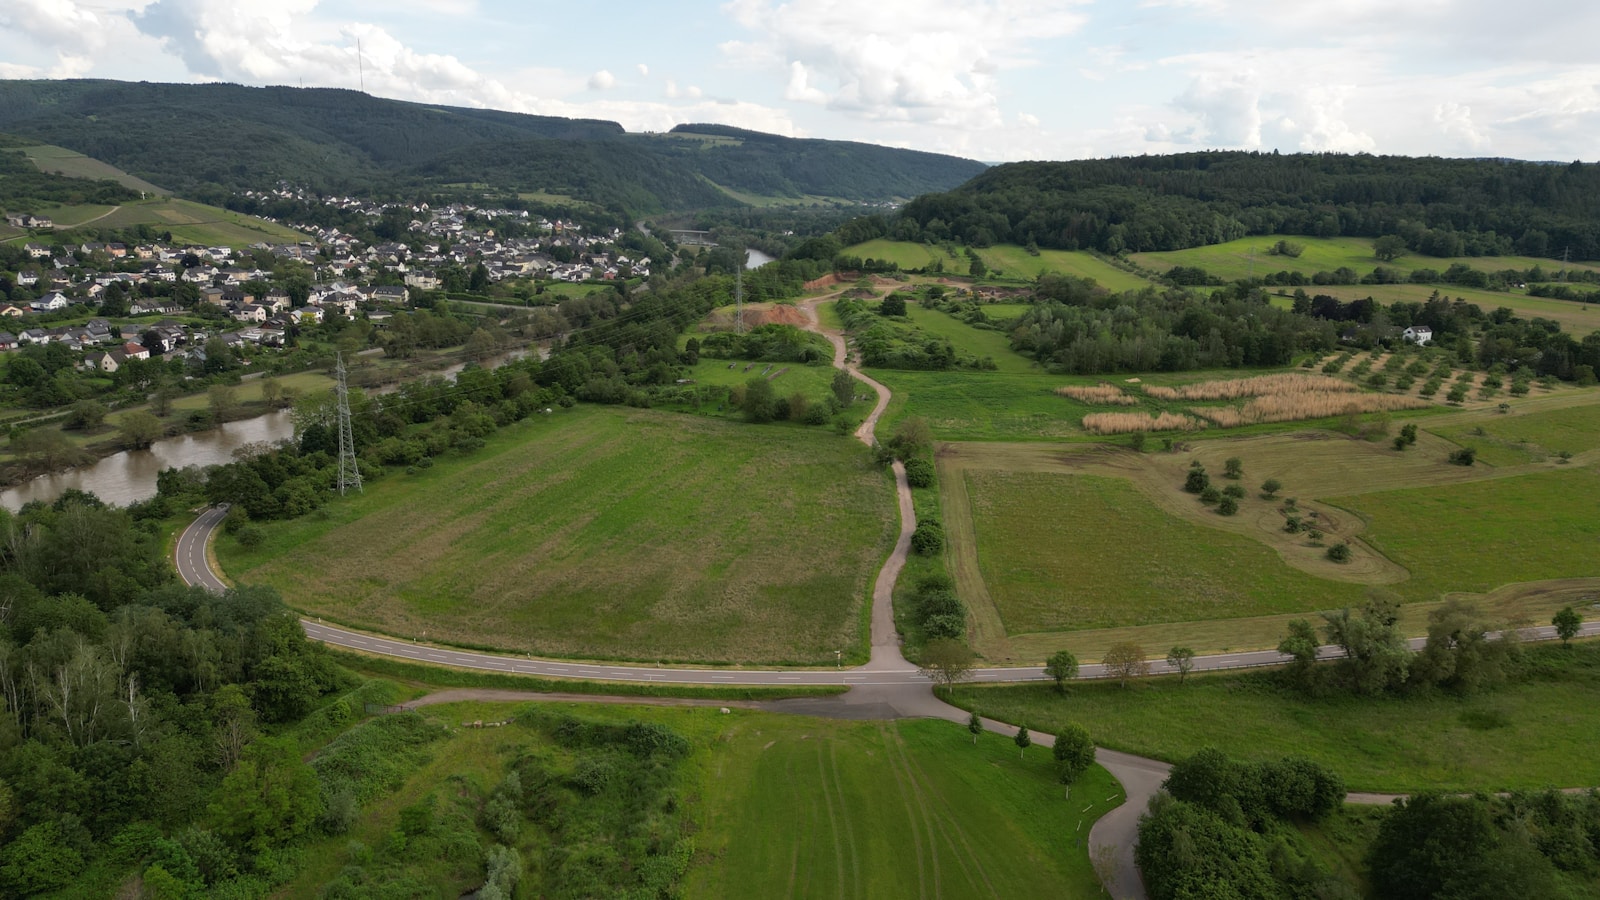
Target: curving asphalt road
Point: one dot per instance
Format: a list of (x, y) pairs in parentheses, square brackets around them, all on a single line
[(886, 687)]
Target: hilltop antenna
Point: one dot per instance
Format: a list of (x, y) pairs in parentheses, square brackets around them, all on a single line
[(349, 470), (361, 67), (738, 299)]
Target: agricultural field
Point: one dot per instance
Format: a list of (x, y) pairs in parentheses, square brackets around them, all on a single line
[(61, 161), (1527, 434), (1012, 261), (1083, 545), (1525, 736), (198, 223), (1576, 318), (605, 533), (817, 808), (1233, 260), (906, 255), (778, 805), (1069, 552)]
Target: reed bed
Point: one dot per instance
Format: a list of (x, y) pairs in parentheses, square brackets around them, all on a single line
[(1128, 423), (1295, 407), (1287, 383), (1102, 394)]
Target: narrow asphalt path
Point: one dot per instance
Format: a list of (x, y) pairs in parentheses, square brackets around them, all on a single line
[(887, 687)]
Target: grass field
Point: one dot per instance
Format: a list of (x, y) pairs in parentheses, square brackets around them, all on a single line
[(1480, 535), (1518, 438), (1232, 260), (198, 223), (605, 533), (1535, 734), (973, 341), (1577, 318), (1064, 552), (816, 808), (1012, 261), (61, 161), (906, 255)]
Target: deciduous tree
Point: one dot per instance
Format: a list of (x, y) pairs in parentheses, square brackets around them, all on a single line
[(1182, 659), (1062, 667), (1074, 750), (946, 661), (1567, 622), (1125, 660)]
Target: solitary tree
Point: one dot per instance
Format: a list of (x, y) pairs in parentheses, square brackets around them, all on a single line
[(1567, 623), (1023, 739), (1124, 661), (1074, 751), (1234, 467), (139, 429), (946, 661), (1390, 247), (1271, 487), (1182, 659), (975, 725), (1062, 667)]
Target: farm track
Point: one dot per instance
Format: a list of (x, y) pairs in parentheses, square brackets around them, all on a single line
[(887, 687)]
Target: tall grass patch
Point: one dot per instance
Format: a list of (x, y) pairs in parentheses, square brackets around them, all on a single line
[(1128, 423), (1101, 394)]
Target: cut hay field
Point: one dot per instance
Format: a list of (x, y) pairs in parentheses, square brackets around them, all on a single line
[(1528, 736), (605, 533), (906, 255), (1068, 552), (1012, 261), (1480, 535), (198, 223), (813, 808), (1576, 318)]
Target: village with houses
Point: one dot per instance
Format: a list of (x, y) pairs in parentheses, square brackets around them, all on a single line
[(145, 296)]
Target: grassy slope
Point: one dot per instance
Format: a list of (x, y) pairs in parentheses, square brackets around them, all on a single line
[(905, 254), (1510, 440), (61, 161), (198, 223), (1012, 261), (975, 341), (1530, 735), (1480, 535), (814, 808), (605, 533), (1062, 552), (1232, 260)]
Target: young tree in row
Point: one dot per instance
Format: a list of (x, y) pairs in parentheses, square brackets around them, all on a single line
[(1182, 659), (975, 726), (1062, 667), (1074, 751), (1023, 739), (946, 661), (1124, 661), (1567, 622)]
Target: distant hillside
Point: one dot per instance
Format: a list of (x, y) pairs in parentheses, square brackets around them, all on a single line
[(1441, 207), (207, 140)]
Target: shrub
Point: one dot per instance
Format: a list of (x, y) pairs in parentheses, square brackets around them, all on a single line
[(928, 539), (1270, 488), (1339, 552), (919, 472), (1210, 495), (1292, 524), (1466, 456), (1228, 506), (1197, 481), (1233, 467), (1235, 491)]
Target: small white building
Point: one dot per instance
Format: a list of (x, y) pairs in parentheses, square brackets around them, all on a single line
[(1417, 334)]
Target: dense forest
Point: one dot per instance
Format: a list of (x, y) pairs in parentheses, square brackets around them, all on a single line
[(23, 187), (209, 140), (1440, 207)]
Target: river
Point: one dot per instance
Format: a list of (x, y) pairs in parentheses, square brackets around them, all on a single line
[(755, 259), (130, 476)]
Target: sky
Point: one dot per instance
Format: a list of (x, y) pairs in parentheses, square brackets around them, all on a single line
[(994, 80)]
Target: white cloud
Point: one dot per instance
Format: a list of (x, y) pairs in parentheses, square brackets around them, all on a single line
[(1455, 121), (934, 62), (1226, 109), (602, 81), (644, 70)]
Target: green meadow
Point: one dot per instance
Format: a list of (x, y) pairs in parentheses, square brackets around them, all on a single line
[(604, 533), (1534, 734)]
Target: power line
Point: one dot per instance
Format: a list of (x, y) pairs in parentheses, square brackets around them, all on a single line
[(349, 469)]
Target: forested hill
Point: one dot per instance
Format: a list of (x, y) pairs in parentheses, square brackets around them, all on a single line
[(1442, 207), (207, 140)]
